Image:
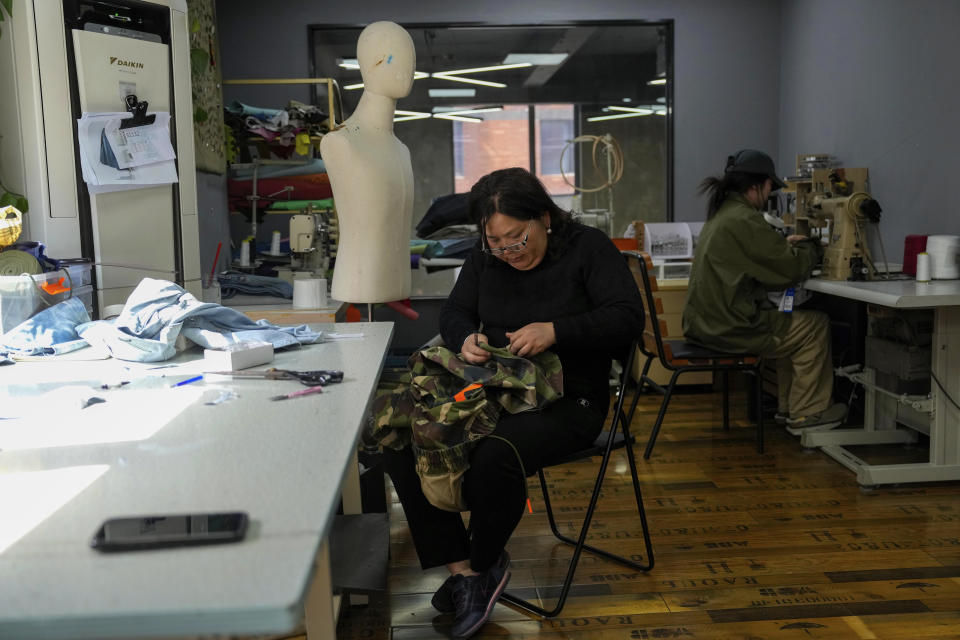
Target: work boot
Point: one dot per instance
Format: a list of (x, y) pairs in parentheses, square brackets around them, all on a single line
[(443, 598), (827, 419), (474, 597)]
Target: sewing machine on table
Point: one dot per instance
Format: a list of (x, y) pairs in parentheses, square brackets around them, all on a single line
[(835, 204), (312, 242)]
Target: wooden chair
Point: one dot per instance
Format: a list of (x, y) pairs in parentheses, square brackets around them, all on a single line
[(618, 436), (678, 356)]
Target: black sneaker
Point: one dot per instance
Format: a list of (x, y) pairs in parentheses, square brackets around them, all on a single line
[(442, 600), (474, 597)]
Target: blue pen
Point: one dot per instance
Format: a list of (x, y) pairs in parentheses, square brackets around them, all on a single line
[(187, 381)]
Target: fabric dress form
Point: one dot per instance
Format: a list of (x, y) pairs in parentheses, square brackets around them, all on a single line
[(371, 175)]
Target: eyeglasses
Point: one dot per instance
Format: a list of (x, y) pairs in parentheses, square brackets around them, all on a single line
[(510, 248)]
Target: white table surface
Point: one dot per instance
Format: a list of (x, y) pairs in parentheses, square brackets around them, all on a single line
[(883, 414), (900, 294), (153, 449)]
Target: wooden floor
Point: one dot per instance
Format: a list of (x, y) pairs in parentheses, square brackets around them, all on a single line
[(781, 545)]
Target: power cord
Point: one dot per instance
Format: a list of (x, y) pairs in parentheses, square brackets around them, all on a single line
[(942, 390)]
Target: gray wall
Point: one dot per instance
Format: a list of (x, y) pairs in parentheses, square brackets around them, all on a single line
[(726, 61), (874, 82)]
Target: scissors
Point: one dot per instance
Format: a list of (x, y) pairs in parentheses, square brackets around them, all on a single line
[(308, 378)]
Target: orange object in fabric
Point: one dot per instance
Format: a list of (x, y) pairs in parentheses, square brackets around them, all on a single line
[(461, 395)]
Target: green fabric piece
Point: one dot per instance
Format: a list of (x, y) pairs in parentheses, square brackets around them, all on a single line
[(739, 258), (287, 205), (420, 407), (426, 249)]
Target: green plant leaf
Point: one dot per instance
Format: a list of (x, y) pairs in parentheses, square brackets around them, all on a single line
[(9, 200), (22, 204), (200, 115), (195, 26), (8, 5), (199, 61)]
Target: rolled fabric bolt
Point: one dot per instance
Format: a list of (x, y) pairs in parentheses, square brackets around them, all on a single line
[(306, 293), (275, 243), (923, 267), (245, 254)]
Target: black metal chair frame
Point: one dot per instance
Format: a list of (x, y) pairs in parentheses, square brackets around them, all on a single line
[(617, 437), (698, 359)]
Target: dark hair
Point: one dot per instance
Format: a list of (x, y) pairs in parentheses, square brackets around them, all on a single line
[(720, 188), (517, 193)]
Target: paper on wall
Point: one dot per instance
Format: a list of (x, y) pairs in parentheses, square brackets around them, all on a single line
[(101, 177)]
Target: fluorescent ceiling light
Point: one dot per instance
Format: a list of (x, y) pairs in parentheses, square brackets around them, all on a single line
[(641, 111), (408, 115), (449, 116), (483, 83), (452, 93), (459, 112), (536, 58), (657, 81), (496, 67), (619, 115)]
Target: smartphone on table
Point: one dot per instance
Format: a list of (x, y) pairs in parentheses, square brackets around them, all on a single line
[(162, 531)]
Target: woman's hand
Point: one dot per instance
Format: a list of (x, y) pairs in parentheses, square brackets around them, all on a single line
[(794, 239), (471, 350), (532, 339)]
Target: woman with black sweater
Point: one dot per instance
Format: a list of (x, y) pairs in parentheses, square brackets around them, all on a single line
[(539, 281)]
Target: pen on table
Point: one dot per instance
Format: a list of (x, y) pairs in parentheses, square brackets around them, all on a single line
[(296, 394), (187, 381), (476, 336)]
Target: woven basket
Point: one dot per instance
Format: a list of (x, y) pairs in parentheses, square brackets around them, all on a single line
[(11, 223)]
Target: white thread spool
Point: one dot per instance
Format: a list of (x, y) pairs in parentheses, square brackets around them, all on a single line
[(306, 293), (923, 267), (275, 244), (245, 254), (943, 252)]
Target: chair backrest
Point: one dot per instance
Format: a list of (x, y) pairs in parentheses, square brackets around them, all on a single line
[(654, 329)]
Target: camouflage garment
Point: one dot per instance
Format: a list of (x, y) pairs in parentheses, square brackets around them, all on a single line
[(443, 405)]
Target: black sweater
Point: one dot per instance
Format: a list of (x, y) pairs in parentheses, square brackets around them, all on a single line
[(585, 289)]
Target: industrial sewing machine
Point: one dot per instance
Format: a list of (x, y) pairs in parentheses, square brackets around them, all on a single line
[(834, 205), (312, 243)]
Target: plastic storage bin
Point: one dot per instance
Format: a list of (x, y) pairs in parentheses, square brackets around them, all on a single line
[(24, 295)]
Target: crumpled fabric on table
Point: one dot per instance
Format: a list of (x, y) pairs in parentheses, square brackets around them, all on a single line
[(51, 331), (159, 311)]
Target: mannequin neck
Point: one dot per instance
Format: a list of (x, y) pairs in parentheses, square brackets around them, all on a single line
[(374, 112)]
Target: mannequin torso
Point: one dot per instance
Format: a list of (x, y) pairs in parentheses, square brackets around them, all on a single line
[(371, 176)]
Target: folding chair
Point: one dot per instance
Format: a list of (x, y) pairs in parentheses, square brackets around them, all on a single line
[(617, 437), (678, 356)]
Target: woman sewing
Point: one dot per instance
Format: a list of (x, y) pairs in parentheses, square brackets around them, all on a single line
[(540, 281), (738, 259)]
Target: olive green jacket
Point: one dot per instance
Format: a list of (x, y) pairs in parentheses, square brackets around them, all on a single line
[(738, 259)]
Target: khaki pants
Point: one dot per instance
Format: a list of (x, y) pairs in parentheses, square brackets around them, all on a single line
[(804, 365)]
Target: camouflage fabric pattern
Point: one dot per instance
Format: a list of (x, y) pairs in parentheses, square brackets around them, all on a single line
[(442, 416)]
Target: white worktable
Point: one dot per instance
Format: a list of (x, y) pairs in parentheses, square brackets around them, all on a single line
[(153, 449), (880, 425)]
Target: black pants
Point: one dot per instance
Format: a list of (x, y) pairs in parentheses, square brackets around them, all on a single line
[(494, 487)]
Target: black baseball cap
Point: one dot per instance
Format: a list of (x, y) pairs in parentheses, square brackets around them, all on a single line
[(753, 161)]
